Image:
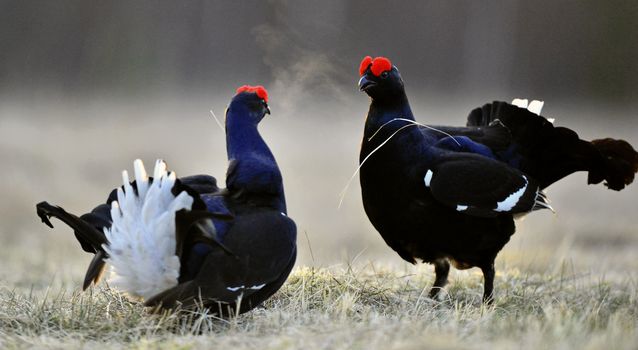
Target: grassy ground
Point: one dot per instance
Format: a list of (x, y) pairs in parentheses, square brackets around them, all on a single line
[(564, 281), (338, 308)]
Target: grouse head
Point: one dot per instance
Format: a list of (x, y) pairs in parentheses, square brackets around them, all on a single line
[(250, 102), (380, 79)]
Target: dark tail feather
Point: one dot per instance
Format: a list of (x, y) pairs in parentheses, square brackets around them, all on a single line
[(95, 270), (550, 153), (619, 166), (86, 231), (100, 217)]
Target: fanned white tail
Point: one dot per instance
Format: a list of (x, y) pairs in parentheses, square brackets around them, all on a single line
[(141, 240)]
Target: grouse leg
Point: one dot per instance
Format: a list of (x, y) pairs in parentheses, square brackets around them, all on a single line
[(442, 269), (488, 283)]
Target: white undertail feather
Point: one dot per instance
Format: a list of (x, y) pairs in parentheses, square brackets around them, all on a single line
[(141, 241), (542, 202), (521, 103), (535, 106)]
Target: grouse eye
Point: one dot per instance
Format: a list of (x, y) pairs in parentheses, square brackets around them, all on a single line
[(384, 74)]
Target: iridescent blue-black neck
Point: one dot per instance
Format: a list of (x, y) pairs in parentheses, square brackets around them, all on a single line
[(242, 136), (383, 111), (253, 169), (380, 125)]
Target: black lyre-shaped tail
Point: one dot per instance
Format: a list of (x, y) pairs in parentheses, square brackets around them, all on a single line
[(92, 235), (86, 234), (619, 165), (549, 153)]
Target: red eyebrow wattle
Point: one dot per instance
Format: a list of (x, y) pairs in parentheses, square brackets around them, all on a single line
[(259, 90), (380, 65), (365, 63), (377, 65)]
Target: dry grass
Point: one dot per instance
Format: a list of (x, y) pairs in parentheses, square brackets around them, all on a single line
[(337, 308)]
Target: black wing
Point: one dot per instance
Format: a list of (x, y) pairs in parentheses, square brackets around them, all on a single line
[(202, 184), (481, 186)]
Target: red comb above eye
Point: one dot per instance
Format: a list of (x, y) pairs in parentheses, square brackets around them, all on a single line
[(364, 64), (259, 90), (380, 65)]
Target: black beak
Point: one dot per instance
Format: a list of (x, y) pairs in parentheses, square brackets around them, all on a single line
[(365, 84), (267, 110)]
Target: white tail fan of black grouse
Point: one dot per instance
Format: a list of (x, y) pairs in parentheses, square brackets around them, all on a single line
[(183, 242), (450, 194)]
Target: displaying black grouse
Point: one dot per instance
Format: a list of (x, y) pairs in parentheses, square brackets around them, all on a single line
[(450, 194), (185, 241)]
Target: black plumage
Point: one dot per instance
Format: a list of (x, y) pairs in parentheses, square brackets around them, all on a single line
[(450, 194), (235, 245)]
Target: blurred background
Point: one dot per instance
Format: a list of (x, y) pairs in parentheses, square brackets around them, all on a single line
[(88, 86)]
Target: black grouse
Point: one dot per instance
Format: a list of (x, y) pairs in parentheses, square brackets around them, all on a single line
[(450, 194), (184, 241)]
